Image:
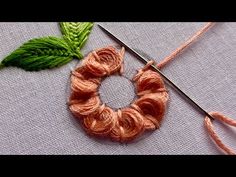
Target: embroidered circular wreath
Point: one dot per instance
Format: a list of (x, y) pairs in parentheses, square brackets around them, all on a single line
[(145, 113)]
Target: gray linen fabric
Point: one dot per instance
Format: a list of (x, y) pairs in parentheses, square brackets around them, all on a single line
[(34, 118)]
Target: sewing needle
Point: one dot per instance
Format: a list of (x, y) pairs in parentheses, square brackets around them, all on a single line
[(144, 60)]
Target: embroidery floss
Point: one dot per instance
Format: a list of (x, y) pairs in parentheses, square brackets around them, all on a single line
[(124, 124), (147, 112), (50, 52), (213, 134), (104, 61)]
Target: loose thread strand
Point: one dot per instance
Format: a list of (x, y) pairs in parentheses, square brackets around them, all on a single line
[(185, 45), (213, 134)]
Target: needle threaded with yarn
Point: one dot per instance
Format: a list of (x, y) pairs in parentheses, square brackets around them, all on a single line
[(145, 113)]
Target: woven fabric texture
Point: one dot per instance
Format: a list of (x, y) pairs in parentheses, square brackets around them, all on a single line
[(34, 117)]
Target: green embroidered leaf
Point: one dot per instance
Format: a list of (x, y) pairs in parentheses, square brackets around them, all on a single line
[(49, 52), (76, 33), (41, 53)]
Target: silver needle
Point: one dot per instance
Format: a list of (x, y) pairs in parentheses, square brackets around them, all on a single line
[(144, 60)]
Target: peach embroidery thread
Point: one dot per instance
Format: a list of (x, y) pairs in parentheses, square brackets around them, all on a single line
[(213, 134), (125, 124), (145, 113), (220, 117)]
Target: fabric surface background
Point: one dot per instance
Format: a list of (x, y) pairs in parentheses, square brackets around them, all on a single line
[(34, 118)]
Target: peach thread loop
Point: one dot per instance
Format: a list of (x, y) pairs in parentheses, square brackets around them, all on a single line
[(141, 71), (210, 129)]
